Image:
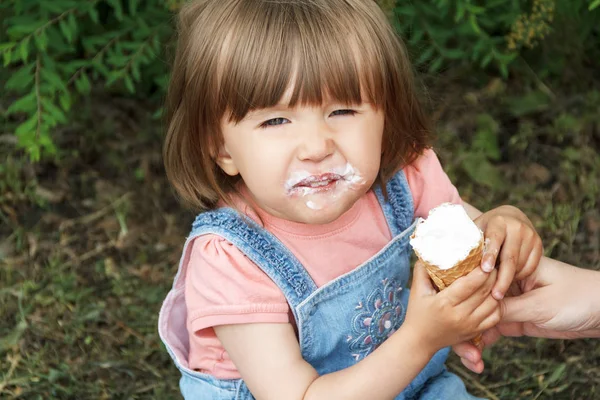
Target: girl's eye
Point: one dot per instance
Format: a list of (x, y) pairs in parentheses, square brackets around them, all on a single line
[(274, 122), (343, 112)]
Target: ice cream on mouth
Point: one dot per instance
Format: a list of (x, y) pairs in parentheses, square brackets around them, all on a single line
[(304, 183)]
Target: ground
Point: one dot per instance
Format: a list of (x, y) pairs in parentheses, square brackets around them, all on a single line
[(89, 243)]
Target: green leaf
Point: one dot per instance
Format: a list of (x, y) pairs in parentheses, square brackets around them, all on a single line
[(425, 55), (135, 72), (11, 340), (57, 113), (53, 79), (65, 100), (82, 84), (101, 68), (52, 6), (6, 46), (532, 102), (486, 60), (113, 77), (436, 64), (482, 171), (460, 11), (594, 4), (24, 49), (21, 79), (7, 56), (23, 29), (93, 13), (503, 70), (72, 22), (25, 104), (557, 374), (474, 9), (66, 31), (474, 25), (129, 84), (133, 5), (453, 54), (41, 41), (486, 138), (116, 5), (28, 126), (407, 10)]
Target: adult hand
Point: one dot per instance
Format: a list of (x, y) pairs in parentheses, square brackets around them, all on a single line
[(557, 301)]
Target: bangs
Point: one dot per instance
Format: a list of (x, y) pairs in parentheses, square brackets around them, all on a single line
[(234, 56), (318, 50)]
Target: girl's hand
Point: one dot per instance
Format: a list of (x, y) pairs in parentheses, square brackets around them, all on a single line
[(513, 241), (456, 314)]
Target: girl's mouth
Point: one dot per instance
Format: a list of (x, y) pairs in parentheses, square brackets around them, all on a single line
[(304, 183), (318, 183)]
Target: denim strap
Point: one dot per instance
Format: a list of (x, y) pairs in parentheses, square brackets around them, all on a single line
[(399, 208), (260, 246)]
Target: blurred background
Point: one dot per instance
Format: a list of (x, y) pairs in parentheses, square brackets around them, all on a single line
[(90, 232)]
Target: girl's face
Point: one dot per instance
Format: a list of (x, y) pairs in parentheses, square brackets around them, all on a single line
[(306, 164)]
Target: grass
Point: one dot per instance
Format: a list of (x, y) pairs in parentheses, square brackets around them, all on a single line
[(89, 244)]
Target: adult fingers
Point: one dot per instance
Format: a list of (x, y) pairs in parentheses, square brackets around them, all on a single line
[(532, 259), (476, 367), (468, 351)]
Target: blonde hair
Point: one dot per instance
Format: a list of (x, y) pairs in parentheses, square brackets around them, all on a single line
[(234, 56)]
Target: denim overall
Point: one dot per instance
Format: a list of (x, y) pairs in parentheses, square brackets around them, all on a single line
[(338, 324)]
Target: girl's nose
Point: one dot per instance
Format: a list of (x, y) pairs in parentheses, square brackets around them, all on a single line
[(317, 144)]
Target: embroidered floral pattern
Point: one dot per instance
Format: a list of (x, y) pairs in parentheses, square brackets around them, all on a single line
[(376, 319)]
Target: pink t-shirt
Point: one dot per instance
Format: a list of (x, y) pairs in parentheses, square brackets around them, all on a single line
[(223, 286)]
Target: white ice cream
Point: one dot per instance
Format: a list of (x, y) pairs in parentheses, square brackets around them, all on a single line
[(446, 236), (315, 198)]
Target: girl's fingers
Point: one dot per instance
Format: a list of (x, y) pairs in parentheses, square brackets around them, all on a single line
[(495, 234), (463, 288), (479, 297), (487, 308), (490, 321), (509, 257), (421, 283)]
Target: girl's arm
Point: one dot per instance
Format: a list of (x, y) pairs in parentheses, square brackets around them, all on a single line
[(269, 360)]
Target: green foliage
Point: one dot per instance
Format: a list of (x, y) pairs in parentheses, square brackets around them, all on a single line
[(55, 52), (58, 50), (483, 150), (444, 31), (491, 33)]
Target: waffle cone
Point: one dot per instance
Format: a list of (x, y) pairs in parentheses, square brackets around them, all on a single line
[(442, 278)]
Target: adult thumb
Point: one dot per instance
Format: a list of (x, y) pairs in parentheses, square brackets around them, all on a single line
[(421, 283), (524, 308)]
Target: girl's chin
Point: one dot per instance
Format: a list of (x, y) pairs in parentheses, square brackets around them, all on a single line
[(313, 212)]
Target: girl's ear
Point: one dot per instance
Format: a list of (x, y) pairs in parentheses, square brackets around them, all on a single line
[(226, 163)]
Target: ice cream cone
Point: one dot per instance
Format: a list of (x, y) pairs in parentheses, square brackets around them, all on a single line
[(442, 278)]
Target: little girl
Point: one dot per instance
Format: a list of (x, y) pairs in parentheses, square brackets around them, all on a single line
[(294, 128)]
